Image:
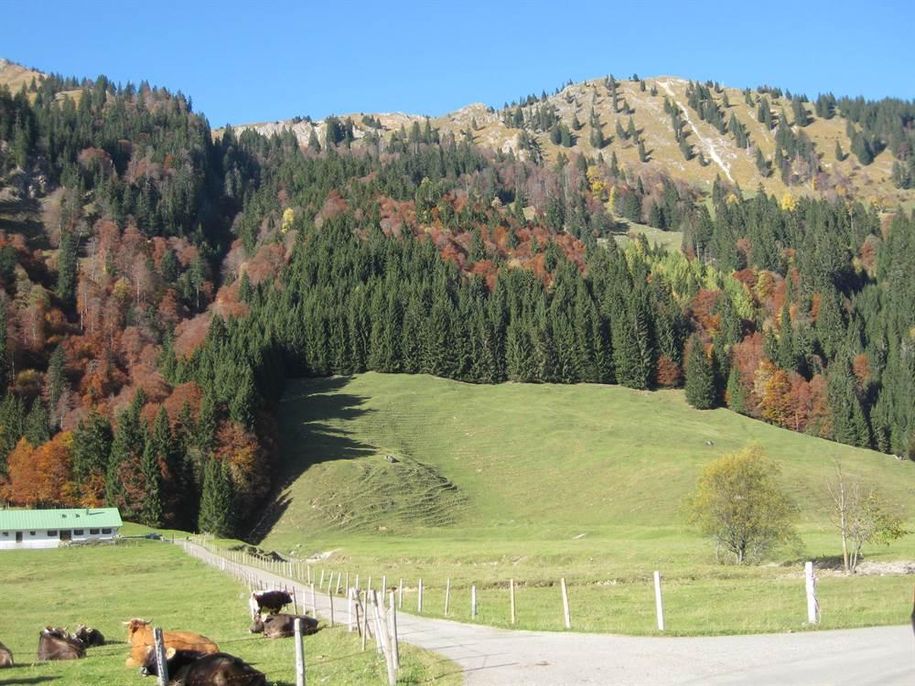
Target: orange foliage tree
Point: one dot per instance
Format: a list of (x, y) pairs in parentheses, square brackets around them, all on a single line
[(42, 476)]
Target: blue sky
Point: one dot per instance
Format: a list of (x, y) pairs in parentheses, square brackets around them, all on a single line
[(243, 62)]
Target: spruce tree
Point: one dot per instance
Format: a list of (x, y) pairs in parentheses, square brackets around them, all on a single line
[(36, 424), (150, 512), (643, 154), (91, 447), (700, 385), (840, 154), (862, 149), (55, 382), (216, 500)]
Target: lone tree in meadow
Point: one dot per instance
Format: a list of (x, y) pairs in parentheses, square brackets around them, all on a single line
[(861, 514), (740, 504)]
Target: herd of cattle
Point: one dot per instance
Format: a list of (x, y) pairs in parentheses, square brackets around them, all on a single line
[(192, 659)]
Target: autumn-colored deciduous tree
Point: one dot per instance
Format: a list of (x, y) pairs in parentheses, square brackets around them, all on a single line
[(241, 453), (42, 476), (740, 504)]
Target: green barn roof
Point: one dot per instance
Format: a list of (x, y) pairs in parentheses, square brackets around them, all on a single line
[(81, 518)]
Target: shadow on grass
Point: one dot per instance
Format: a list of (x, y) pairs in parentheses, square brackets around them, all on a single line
[(308, 439), (25, 680)]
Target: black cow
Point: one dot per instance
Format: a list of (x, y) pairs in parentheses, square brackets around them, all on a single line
[(190, 668), (283, 625), (269, 601), (89, 636), (6, 657), (59, 644)]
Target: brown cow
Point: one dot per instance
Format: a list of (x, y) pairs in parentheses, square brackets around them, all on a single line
[(192, 668), (140, 637), (6, 657), (58, 644), (283, 625)]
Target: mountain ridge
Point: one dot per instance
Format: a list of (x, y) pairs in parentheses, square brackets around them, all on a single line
[(714, 153)]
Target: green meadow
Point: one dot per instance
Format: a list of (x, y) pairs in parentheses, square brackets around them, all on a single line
[(104, 585), (418, 477)]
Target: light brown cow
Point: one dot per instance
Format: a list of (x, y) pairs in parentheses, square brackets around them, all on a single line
[(140, 637), (6, 657)]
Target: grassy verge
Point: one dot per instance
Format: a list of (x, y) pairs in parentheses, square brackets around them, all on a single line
[(102, 586)]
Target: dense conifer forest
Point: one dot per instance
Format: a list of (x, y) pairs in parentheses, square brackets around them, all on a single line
[(176, 279)]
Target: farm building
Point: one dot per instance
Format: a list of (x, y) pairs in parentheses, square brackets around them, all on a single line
[(51, 528)]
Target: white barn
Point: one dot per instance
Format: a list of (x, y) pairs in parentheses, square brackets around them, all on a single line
[(51, 528)]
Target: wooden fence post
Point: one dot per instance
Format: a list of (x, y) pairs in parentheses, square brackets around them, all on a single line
[(349, 610), (330, 598), (299, 654), (419, 598), (658, 601), (161, 664), (392, 623), (365, 619), (567, 618), (813, 607), (385, 638), (447, 595), (511, 597)]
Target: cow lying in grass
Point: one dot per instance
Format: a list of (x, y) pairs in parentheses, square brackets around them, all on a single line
[(282, 625), (192, 668), (6, 657), (89, 636), (140, 637), (59, 644)]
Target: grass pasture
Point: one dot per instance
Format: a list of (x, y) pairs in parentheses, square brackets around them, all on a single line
[(104, 585), (419, 477)]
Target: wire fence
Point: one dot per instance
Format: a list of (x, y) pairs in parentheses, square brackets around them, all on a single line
[(642, 604), (363, 611)]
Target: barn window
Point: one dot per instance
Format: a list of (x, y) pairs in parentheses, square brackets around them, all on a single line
[(78, 532), (6, 533), (93, 532), (31, 533), (51, 533), (106, 531)]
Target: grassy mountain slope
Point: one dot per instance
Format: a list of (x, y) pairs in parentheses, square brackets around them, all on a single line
[(514, 455), (534, 482), (721, 153)]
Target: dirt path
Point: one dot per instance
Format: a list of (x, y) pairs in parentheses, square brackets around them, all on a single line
[(707, 145), (488, 656)]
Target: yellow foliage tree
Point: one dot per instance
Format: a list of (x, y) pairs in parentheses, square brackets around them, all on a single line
[(288, 218), (738, 502)]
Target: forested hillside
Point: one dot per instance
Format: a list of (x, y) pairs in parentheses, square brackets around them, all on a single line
[(160, 283)]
